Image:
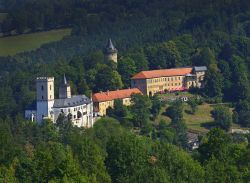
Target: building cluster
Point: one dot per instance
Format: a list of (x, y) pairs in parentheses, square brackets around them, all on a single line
[(77, 108), (82, 110)]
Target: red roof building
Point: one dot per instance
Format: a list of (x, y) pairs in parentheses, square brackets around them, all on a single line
[(103, 100)]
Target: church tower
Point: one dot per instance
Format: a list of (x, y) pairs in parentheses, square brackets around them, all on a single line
[(64, 89), (111, 52), (45, 98)]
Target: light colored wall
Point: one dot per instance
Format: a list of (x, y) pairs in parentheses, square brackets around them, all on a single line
[(87, 115), (112, 56), (126, 101), (155, 85), (44, 109), (45, 98), (48, 88), (200, 78), (103, 106)]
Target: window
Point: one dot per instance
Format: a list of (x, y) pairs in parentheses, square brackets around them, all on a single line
[(42, 97), (50, 87), (42, 87), (50, 96)]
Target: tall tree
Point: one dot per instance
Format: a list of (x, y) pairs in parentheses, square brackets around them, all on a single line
[(222, 117), (126, 68), (140, 109), (213, 83)]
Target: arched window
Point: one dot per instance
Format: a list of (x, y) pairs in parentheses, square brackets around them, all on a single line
[(70, 116), (79, 114)]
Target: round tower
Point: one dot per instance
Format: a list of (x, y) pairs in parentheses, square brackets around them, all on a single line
[(111, 52)]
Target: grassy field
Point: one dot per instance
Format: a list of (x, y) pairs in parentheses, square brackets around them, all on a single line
[(26, 42), (202, 117), (199, 122)]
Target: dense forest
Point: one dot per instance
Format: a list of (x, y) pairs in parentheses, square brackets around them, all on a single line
[(149, 34), (111, 153)]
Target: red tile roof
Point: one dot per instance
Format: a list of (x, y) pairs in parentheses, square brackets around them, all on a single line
[(163, 73), (111, 95)]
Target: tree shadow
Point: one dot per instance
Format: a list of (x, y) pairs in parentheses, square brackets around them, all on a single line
[(208, 125), (188, 112)]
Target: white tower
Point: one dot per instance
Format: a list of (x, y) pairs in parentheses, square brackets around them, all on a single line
[(45, 98), (64, 89)]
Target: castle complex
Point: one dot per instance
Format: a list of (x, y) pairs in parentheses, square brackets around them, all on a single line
[(77, 108), (80, 109)]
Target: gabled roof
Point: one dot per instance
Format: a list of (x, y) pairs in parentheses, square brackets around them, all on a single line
[(163, 73), (112, 95), (75, 100)]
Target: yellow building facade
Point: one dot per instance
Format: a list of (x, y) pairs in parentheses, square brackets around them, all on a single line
[(178, 79), (103, 100)]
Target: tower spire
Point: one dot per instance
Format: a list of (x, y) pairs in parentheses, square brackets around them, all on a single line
[(64, 89), (64, 80), (111, 51)]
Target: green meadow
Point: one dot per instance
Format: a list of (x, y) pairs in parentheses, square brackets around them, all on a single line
[(12, 45)]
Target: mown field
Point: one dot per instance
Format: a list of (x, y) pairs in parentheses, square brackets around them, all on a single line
[(12, 45), (199, 122)]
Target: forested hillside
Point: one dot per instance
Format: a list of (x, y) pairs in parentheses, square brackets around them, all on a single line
[(149, 34), (110, 153)]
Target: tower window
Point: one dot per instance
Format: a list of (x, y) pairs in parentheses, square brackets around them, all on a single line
[(42, 97), (50, 96), (42, 87), (50, 87)]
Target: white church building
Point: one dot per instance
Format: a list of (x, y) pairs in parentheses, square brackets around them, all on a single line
[(77, 108)]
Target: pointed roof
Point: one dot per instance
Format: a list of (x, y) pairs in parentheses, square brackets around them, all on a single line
[(110, 47), (64, 81)]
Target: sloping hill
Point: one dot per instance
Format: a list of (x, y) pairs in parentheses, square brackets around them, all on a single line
[(27, 42)]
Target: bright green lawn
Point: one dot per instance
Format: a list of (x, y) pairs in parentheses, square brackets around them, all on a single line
[(196, 122), (27, 42), (202, 116)]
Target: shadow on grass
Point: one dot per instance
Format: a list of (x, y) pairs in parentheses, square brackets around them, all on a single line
[(188, 112), (208, 125)]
